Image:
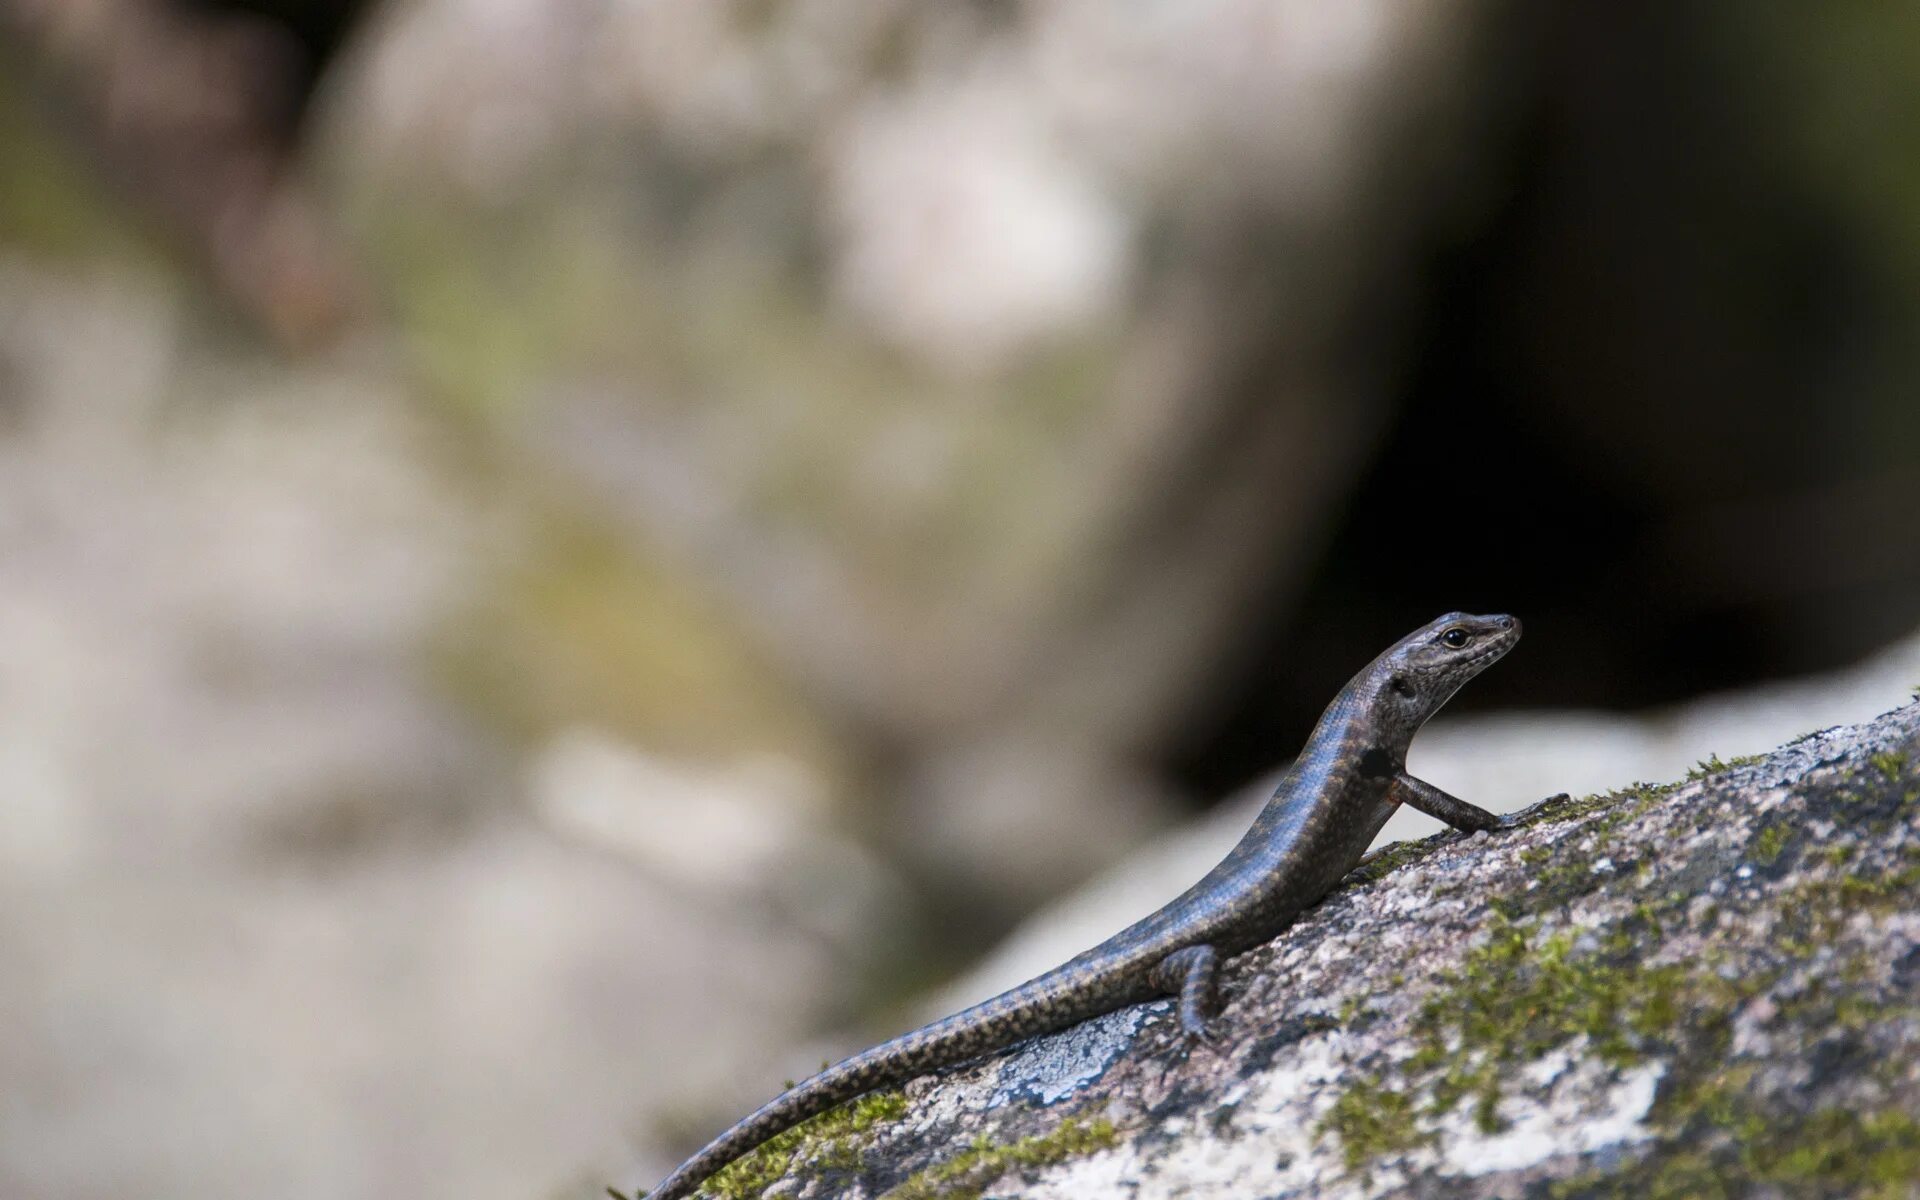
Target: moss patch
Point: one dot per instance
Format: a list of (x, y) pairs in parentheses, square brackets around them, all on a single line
[(966, 1175), (1733, 1148), (828, 1142), (1617, 806), (1371, 1120), (585, 632), (1525, 991), (1713, 764), (1889, 764), (1772, 840), (1566, 871), (1395, 856), (1515, 998)]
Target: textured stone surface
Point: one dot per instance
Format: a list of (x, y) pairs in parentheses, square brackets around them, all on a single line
[(1708, 987)]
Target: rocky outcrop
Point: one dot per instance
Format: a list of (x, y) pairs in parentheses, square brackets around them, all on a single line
[(1700, 988)]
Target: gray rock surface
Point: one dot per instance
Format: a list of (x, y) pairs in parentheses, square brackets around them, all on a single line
[(1707, 987)]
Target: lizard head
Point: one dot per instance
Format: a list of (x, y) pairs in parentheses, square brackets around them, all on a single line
[(1423, 670)]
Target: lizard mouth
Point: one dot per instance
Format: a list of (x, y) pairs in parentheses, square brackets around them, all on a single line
[(1491, 653)]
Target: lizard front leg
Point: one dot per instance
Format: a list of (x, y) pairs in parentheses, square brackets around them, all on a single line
[(1422, 796), (1189, 973)]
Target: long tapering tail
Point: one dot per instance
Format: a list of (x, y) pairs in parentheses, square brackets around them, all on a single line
[(1051, 1002), (810, 1098)]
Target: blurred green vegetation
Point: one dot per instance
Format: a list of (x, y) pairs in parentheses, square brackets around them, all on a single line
[(583, 630)]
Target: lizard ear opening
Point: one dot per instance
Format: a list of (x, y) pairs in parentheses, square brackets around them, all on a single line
[(1400, 683)]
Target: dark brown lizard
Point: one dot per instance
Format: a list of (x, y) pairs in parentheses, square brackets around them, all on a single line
[(1332, 801)]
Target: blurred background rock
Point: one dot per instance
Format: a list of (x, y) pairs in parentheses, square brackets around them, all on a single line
[(562, 560)]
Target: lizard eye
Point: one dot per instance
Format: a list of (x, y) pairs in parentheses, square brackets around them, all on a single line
[(1399, 684), (1455, 638)]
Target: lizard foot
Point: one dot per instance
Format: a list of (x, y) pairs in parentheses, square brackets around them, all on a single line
[(1514, 820), (1206, 1037)]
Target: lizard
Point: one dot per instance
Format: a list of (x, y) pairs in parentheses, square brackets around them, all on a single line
[(1346, 782)]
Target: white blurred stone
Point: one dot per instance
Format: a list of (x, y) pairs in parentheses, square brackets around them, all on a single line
[(1021, 814), (483, 1021), (967, 231), (754, 829), (483, 90), (719, 82), (270, 925), (206, 603)]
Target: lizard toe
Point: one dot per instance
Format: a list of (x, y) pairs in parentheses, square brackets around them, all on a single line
[(1206, 1037)]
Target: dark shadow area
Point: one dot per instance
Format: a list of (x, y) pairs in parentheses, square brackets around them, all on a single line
[(310, 33), (1648, 410)]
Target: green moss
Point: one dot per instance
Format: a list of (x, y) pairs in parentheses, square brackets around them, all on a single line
[(585, 632), (1726, 1145), (1719, 1137), (827, 1142), (1575, 807), (1558, 877), (1553, 886), (1617, 806), (1889, 763), (1521, 994), (1772, 840), (964, 1176), (1879, 893), (1524, 992), (1877, 1152), (1393, 857), (491, 305), (1713, 764), (1371, 1120), (1514, 998), (1814, 911)]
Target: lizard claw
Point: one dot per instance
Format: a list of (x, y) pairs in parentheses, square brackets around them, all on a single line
[(1206, 1037)]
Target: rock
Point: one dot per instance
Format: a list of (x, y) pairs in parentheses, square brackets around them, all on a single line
[(974, 815), (754, 831), (1520, 1023), (275, 920), (828, 294)]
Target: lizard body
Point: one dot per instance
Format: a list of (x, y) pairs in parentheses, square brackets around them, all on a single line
[(1325, 812)]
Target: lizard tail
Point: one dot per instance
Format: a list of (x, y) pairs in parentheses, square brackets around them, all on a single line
[(808, 1099), (883, 1066), (1034, 1008)]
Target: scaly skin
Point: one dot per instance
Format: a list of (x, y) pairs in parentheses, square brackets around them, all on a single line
[(1327, 809)]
